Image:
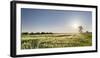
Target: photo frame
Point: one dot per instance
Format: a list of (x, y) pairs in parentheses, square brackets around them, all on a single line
[(41, 28)]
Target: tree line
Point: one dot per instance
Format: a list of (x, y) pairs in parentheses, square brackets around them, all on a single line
[(32, 33)]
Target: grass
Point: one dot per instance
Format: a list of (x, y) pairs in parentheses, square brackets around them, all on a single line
[(55, 40)]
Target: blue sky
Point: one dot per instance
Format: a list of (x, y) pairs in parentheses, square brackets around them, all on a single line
[(57, 21)]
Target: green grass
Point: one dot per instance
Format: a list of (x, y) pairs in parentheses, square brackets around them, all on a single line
[(55, 40)]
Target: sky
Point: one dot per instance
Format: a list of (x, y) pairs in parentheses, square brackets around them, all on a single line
[(56, 21)]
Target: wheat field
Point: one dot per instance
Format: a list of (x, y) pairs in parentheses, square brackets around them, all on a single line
[(56, 40)]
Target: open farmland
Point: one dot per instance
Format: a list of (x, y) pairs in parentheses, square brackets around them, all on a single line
[(56, 40)]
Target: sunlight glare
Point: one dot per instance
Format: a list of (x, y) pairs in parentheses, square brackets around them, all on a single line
[(75, 26)]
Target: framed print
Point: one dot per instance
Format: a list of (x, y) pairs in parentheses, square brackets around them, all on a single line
[(40, 28)]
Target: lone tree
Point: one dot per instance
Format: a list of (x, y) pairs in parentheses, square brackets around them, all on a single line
[(80, 29)]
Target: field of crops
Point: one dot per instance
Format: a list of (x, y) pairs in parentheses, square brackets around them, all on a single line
[(56, 40)]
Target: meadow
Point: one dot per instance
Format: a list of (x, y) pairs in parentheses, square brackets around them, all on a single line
[(56, 40)]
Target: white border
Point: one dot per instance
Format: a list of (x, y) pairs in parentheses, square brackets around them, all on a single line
[(51, 50)]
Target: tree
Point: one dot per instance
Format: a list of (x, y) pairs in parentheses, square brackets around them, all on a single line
[(87, 31), (80, 29), (31, 33), (43, 33), (37, 33), (50, 33), (24, 33)]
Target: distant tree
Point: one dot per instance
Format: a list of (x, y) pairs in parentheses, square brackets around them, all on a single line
[(47, 32), (80, 29), (87, 31), (43, 33), (31, 33), (50, 33), (24, 33), (37, 33)]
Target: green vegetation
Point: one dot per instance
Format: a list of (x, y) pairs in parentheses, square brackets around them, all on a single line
[(55, 40)]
